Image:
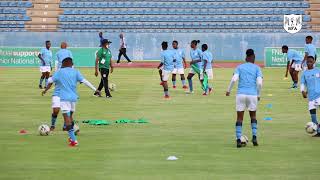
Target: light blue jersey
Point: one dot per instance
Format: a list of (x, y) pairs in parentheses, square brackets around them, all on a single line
[(167, 57), (293, 55), (310, 49), (179, 56), (61, 55), (311, 80), (46, 55), (207, 55), (196, 55), (66, 81), (248, 74)]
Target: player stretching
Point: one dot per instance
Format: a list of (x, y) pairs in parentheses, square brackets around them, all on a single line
[(195, 55), (168, 66), (45, 56), (206, 59), (179, 65), (309, 50), (310, 81), (248, 94), (66, 80), (293, 64)]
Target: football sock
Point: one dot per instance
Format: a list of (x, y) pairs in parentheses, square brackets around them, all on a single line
[(190, 85), (41, 80), (71, 134), (174, 83), (238, 129), (166, 93), (183, 82), (46, 82), (53, 119), (254, 127)]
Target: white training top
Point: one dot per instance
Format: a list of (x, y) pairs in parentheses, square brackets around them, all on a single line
[(123, 43)]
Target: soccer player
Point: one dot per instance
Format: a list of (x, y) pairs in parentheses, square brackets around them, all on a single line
[(293, 64), (310, 81), (206, 62), (62, 54), (195, 55), (167, 63), (66, 80), (309, 50), (45, 56), (123, 49), (104, 66), (179, 65), (248, 94)]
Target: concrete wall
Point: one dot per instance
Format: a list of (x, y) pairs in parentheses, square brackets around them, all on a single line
[(228, 46)]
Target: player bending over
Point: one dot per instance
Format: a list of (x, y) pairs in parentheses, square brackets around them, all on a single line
[(168, 66), (310, 81), (248, 94), (195, 55), (179, 65), (293, 64), (45, 56), (206, 61), (66, 80)]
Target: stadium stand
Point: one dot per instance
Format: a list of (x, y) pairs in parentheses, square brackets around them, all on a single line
[(156, 15)]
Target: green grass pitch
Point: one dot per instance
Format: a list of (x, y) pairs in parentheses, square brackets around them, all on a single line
[(198, 130)]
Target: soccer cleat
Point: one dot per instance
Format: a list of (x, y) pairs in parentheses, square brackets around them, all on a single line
[(161, 83), (52, 128), (166, 97), (129, 62), (40, 86), (316, 135), (109, 97), (73, 143), (189, 92), (97, 94), (185, 87), (255, 141), (204, 94), (239, 144), (174, 87), (64, 128)]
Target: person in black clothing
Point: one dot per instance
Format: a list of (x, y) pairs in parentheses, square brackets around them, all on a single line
[(123, 49)]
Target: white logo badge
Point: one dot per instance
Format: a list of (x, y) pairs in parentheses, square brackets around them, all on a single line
[(292, 23)]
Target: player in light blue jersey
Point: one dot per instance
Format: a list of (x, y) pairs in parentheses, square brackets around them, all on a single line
[(195, 55), (294, 60), (248, 94), (167, 65), (179, 65), (62, 54), (206, 62), (310, 87), (309, 50), (45, 57), (66, 80)]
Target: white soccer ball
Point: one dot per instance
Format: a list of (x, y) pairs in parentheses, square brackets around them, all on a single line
[(244, 140), (112, 87), (44, 130), (76, 129), (311, 128)]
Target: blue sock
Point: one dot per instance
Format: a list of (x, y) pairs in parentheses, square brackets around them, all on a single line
[(314, 118), (238, 129), (53, 120), (190, 85), (254, 127), (46, 82), (174, 83), (41, 80), (183, 82), (166, 93), (72, 135)]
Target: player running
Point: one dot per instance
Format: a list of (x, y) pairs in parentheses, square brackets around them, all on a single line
[(62, 54), (310, 81), (309, 50), (104, 66), (45, 56), (206, 68), (195, 55), (179, 65), (66, 80), (167, 57), (293, 64), (248, 94)]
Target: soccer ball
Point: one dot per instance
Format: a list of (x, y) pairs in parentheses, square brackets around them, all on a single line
[(44, 130), (76, 129), (244, 140), (311, 128), (112, 87)]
